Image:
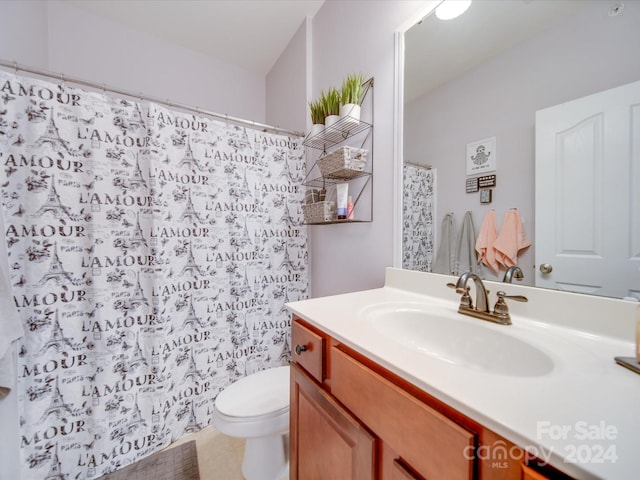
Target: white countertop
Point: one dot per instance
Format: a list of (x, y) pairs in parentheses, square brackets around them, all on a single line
[(583, 416)]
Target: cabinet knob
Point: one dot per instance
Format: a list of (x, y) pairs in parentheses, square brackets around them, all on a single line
[(300, 348)]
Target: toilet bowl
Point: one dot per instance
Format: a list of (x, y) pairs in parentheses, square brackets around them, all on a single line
[(256, 408)]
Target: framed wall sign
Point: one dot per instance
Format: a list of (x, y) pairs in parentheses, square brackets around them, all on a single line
[(487, 181), (481, 156), (485, 195), (472, 185)]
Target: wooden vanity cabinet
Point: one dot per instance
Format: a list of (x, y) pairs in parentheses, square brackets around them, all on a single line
[(351, 419), (327, 442)]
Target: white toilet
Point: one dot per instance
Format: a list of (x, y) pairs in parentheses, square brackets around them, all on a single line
[(256, 408)]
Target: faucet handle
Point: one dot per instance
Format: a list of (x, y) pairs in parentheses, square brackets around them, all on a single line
[(465, 300), (517, 298), (501, 309)]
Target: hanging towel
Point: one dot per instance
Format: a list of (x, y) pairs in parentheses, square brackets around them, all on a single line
[(512, 240), (466, 259), (486, 240), (10, 324), (445, 258)]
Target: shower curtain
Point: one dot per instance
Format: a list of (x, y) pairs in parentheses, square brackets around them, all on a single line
[(151, 253), (418, 213)]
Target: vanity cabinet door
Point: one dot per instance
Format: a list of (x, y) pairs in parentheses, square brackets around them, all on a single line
[(326, 442), (400, 472)]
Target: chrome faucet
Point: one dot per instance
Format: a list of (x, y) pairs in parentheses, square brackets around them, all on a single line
[(482, 300), (481, 310), (513, 272)]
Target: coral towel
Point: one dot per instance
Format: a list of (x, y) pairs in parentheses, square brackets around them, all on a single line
[(485, 242), (512, 240)]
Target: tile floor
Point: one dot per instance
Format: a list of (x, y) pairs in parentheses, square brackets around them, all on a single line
[(219, 456)]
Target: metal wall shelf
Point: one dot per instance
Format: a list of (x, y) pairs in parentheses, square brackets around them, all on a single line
[(323, 182), (348, 131), (337, 133), (334, 222)]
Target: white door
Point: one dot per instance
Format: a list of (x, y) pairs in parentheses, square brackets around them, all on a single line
[(588, 194)]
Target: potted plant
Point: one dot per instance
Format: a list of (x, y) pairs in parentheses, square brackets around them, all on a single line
[(317, 117), (331, 102), (351, 98)]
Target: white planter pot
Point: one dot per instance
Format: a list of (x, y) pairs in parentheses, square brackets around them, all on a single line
[(330, 120), (316, 129), (350, 111)]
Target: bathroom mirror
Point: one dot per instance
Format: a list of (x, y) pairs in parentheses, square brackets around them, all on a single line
[(485, 74)]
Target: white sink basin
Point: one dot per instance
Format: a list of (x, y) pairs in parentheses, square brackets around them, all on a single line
[(453, 338)]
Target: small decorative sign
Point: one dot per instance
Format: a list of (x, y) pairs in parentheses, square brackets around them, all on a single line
[(472, 185), (481, 156), (487, 181), (485, 195)]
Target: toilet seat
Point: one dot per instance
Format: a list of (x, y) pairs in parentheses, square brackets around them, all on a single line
[(254, 418), (261, 395)]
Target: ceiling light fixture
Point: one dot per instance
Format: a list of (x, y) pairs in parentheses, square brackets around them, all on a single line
[(449, 9)]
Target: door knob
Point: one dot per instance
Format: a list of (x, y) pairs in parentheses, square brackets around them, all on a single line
[(300, 348), (546, 268)]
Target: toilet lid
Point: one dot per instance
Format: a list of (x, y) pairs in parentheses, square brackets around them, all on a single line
[(257, 394)]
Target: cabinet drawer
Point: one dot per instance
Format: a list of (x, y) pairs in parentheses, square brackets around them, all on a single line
[(307, 350), (433, 445)]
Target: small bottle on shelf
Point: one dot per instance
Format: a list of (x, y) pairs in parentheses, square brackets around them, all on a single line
[(350, 212)]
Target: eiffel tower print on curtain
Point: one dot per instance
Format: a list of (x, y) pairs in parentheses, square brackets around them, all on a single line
[(242, 190), (53, 204), (189, 160), (190, 266), (189, 211), (138, 298), (51, 136), (192, 370), (137, 179), (136, 420), (192, 424), (137, 357), (138, 237), (57, 340), (55, 468), (56, 271), (286, 217), (57, 405), (192, 319)]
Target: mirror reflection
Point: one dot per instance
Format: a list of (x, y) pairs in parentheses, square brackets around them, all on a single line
[(484, 80)]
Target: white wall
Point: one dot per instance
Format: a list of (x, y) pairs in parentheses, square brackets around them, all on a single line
[(589, 53), (23, 32), (59, 37), (286, 85), (359, 37)]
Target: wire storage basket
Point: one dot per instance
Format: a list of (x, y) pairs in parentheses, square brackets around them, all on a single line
[(343, 163), (319, 212)]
